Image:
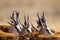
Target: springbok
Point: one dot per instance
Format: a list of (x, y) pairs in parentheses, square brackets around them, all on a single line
[(43, 26), (26, 28), (15, 22)]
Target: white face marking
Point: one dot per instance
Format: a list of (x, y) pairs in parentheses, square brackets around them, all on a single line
[(29, 29), (21, 26), (49, 30), (18, 27)]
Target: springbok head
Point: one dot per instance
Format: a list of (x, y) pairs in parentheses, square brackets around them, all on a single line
[(42, 22), (26, 23), (15, 22), (44, 25), (26, 29)]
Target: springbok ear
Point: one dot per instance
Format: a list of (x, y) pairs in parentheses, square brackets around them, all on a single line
[(10, 23), (12, 15), (43, 13), (12, 18), (25, 20), (42, 16), (28, 18), (34, 27), (39, 20), (17, 17), (38, 17)]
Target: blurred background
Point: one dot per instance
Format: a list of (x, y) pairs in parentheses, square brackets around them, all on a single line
[(51, 9)]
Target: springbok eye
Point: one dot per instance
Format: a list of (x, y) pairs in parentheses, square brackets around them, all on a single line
[(28, 30)]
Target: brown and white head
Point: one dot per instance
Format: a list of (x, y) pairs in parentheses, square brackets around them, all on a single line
[(44, 28), (15, 22)]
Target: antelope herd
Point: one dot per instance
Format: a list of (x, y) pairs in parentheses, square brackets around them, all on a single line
[(25, 28), (24, 31)]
